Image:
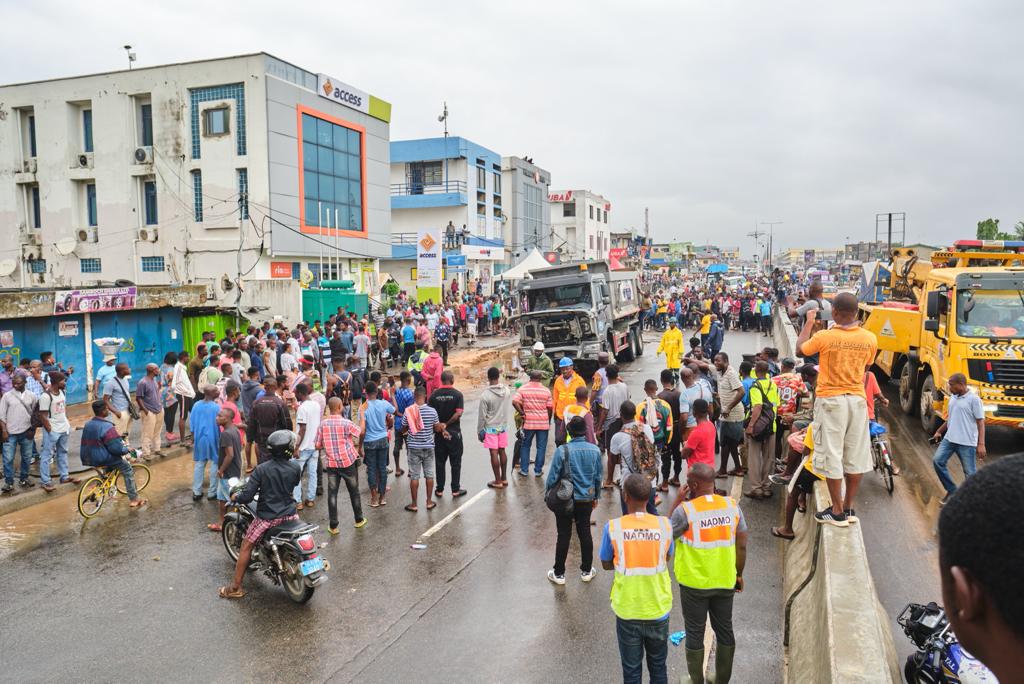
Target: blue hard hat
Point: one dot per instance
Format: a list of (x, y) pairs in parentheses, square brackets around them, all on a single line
[(565, 362)]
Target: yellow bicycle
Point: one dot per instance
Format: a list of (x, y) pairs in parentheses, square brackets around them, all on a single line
[(96, 490)]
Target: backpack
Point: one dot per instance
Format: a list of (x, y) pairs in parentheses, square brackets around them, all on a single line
[(762, 428), (356, 383), (644, 456)]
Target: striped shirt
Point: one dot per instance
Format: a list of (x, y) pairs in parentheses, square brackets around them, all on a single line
[(536, 400), (335, 437), (424, 439)]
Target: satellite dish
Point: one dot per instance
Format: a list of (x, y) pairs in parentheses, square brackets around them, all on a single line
[(306, 277), (226, 284), (66, 245), (7, 267)]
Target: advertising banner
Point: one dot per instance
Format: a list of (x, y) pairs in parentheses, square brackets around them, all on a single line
[(617, 253), (94, 301), (428, 264)]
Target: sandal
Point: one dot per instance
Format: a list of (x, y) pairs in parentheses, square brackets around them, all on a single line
[(495, 484), (214, 527), (374, 504), (431, 505), (138, 503), (229, 593), (411, 508), (399, 473), (787, 537)]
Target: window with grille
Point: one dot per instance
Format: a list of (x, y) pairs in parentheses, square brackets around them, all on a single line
[(152, 264), (91, 265)]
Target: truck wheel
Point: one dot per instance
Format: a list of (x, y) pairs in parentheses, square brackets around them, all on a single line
[(929, 418), (910, 396), (638, 338)]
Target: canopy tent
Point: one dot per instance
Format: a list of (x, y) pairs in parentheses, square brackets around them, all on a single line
[(718, 268), (520, 271)]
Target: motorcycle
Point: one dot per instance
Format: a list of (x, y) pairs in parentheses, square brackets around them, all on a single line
[(939, 659), (287, 553)]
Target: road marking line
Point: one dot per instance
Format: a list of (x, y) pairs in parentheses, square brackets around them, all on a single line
[(454, 514)]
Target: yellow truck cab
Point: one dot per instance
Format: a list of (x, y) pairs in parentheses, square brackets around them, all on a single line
[(961, 313)]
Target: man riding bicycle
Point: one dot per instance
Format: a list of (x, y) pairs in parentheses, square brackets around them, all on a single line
[(274, 480), (103, 448)]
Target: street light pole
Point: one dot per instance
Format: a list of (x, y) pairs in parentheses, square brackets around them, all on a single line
[(771, 236)]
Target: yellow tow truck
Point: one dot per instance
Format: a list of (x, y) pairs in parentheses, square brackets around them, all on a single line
[(961, 311)]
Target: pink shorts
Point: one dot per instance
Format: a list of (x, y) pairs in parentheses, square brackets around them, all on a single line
[(496, 440)]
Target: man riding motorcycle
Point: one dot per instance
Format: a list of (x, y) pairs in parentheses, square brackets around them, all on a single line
[(274, 480)]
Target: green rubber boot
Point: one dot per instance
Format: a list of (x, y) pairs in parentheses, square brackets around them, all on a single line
[(723, 663), (695, 665)]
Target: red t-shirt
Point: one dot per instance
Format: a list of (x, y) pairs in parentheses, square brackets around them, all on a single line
[(702, 441), (871, 390)]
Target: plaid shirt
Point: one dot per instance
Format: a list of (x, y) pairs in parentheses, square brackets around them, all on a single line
[(335, 438)]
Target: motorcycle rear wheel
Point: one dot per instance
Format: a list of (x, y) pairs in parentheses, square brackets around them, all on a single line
[(292, 581)]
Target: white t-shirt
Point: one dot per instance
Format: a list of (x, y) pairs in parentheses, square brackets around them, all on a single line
[(432, 320), (288, 362), (308, 414), (57, 406)]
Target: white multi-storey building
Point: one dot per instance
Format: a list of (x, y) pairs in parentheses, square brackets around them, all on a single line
[(580, 224), (235, 174)]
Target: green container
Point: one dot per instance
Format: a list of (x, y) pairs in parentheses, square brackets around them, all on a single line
[(322, 304), (194, 324)]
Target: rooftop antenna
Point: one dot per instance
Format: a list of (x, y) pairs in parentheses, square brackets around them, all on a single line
[(131, 55), (443, 118)]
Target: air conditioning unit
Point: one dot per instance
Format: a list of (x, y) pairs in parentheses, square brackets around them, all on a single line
[(85, 160), (144, 155), (148, 234), (29, 166), (89, 234)]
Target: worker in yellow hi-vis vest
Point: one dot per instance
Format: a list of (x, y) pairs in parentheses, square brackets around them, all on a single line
[(637, 547), (710, 551)]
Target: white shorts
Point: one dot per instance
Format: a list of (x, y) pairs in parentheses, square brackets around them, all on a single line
[(841, 441), (471, 329)]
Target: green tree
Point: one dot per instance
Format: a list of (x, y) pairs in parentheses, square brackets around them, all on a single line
[(989, 230), (1019, 230)]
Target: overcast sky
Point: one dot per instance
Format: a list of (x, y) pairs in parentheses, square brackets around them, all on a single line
[(715, 114)]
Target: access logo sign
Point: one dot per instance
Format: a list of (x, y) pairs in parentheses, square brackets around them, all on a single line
[(428, 242), (352, 97)]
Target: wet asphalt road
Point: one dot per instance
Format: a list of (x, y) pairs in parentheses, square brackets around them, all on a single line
[(473, 606), (900, 531)]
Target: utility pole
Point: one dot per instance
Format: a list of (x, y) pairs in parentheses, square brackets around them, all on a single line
[(443, 118), (757, 234), (771, 238)]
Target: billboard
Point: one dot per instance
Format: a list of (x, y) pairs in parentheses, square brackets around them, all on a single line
[(428, 264), (94, 301)]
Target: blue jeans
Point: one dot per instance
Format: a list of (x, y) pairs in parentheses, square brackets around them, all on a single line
[(25, 443), (376, 455), (944, 453), (637, 637), (54, 443), (198, 471), (524, 455), (307, 460), (129, 477)]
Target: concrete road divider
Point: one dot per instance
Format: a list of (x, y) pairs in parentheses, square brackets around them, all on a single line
[(836, 631)]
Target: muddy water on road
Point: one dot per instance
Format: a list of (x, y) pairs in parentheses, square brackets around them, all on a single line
[(36, 525)]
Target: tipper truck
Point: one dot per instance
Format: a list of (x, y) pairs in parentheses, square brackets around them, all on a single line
[(579, 310), (960, 311)]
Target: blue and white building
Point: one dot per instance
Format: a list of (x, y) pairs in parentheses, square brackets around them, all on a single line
[(440, 181)]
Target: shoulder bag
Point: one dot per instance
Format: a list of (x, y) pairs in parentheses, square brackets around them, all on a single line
[(560, 497)]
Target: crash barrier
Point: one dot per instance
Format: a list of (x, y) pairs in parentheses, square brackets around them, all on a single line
[(835, 628)]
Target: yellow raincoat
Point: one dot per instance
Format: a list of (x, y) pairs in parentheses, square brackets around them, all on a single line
[(672, 344)]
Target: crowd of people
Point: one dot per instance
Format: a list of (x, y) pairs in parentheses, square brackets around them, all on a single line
[(358, 391)]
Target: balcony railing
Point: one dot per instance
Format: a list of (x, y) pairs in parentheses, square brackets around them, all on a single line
[(425, 189)]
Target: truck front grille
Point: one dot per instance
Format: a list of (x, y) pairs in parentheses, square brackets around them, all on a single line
[(1011, 411), (997, 372)]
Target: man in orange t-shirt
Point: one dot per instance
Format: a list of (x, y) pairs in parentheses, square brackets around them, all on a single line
[(842, 447)]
